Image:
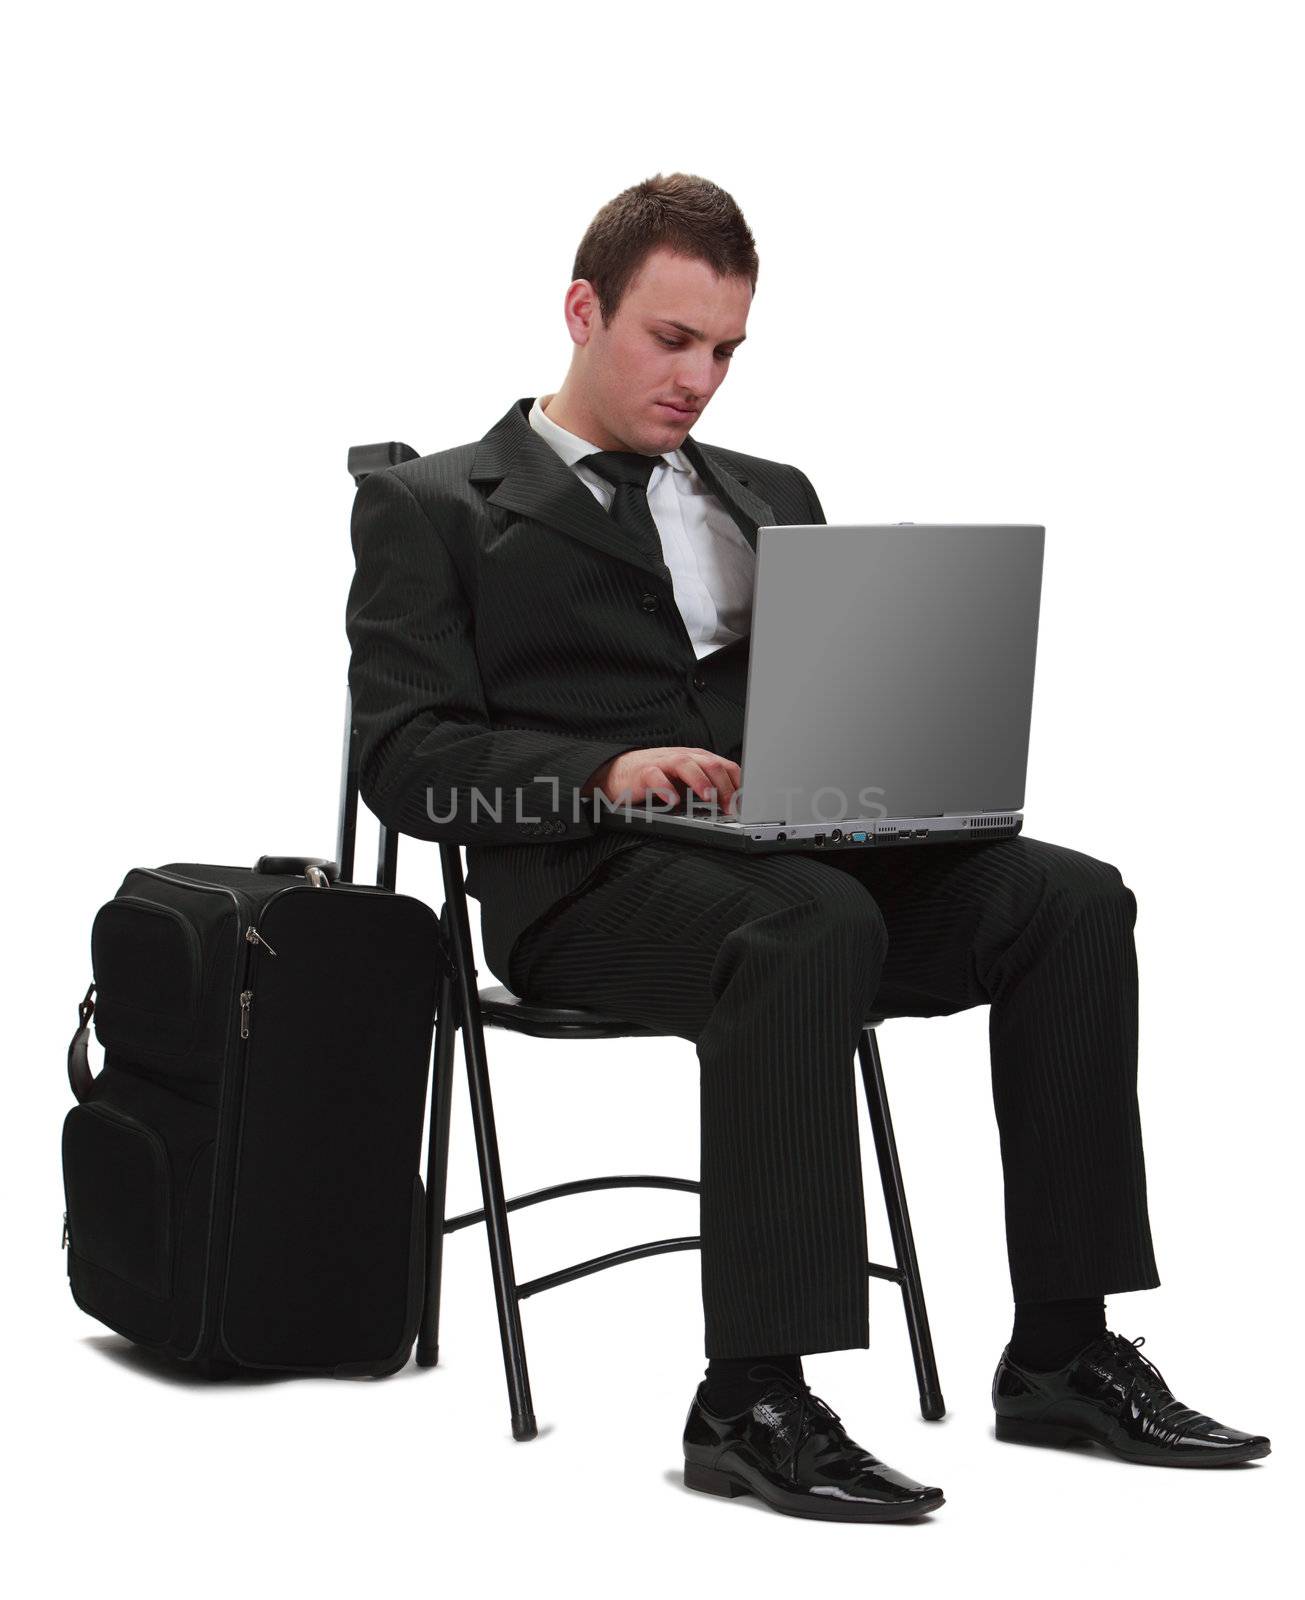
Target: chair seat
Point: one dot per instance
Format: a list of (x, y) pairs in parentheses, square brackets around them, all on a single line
[(500, 1008)]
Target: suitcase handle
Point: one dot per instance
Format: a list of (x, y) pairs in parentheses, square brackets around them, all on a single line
[(302, 866), (79, 1056)]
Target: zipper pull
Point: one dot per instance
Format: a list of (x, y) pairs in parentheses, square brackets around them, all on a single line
[(253, 936), (246, 1001), (64, 1245)]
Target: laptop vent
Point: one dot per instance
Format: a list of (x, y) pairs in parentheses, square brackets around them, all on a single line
[(991, 824)]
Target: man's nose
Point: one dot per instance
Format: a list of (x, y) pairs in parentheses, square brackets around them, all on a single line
[(696, 374)]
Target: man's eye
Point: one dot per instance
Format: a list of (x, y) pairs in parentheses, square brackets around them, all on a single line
[(678, 344)]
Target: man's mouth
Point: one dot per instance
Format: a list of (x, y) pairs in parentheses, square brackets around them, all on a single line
[(678, 411)]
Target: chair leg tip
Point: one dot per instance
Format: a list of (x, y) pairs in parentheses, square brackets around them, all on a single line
[(524, 1428), (932, 1406), (428, 1355)]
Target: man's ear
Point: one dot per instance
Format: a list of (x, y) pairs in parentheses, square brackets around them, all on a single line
[(581, 310)]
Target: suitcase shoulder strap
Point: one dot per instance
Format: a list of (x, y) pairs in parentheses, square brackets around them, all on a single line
[(79, 1055)]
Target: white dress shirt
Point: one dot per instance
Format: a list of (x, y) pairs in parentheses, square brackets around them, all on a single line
[(710, 562)]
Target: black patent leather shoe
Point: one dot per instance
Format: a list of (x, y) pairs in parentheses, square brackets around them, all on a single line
[(1111, 1394), (790, 1450)]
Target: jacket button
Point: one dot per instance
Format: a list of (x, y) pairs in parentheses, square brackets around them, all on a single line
[(649, 602), (699, 682)]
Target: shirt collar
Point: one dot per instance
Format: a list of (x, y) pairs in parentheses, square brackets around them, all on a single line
[(572, 448)]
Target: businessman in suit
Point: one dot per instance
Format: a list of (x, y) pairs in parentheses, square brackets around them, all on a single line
[(556, 617)]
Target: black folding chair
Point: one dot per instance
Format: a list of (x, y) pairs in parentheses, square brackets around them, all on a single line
[(462, 1004)]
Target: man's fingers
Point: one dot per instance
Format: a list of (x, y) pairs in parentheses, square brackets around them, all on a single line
[(706, 773), (719, 771), (655, 781), (732, 767), (693, 774), (721, 774)]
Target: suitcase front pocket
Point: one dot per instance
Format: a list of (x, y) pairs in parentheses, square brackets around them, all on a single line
[(118, 1188), (148, 979)]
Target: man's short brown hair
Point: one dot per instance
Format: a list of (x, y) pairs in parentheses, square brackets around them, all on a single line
[(678, 212)]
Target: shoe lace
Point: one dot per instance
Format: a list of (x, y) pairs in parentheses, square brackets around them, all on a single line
[(811, 1408), (1147, 1387)]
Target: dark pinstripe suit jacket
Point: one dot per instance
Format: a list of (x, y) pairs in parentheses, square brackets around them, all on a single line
[(507, 639)]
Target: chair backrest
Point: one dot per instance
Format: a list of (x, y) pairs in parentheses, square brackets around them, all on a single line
[(364, 459)]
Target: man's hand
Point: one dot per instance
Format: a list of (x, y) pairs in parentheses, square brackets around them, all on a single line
[(664, 773)]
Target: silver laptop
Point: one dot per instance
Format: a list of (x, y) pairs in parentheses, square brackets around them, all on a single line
[(889, 695)]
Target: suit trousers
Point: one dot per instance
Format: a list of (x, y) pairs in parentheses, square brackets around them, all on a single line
[(771, 964)]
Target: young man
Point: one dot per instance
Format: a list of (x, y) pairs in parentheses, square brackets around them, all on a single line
[(562, 608)]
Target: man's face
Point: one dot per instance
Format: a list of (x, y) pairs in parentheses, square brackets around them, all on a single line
[(648, 374)]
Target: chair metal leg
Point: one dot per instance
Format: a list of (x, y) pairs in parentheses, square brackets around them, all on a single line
[(437, 1163), (346, 825), (932, 1407), (387, 857), (491, 1177)]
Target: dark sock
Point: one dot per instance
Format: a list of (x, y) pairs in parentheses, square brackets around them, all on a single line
[(1049, 1333), (729, 1389)]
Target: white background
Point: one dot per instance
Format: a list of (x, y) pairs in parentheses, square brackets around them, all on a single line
[(1025, 261)]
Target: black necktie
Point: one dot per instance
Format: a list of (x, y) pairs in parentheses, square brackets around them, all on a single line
[(629, 473)]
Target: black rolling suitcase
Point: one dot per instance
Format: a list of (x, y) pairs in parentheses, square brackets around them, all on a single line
[(242, 1176)]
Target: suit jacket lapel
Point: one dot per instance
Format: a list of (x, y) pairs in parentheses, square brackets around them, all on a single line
[(747, 507), (535, 481), (531, 478)]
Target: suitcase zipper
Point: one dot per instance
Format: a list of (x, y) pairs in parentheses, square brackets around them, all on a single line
[(252, 936)]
